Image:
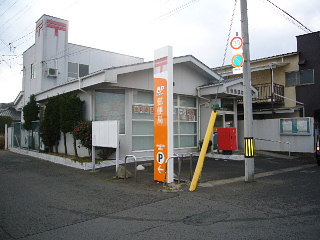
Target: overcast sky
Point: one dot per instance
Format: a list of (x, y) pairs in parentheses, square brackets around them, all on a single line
[(139, 27)]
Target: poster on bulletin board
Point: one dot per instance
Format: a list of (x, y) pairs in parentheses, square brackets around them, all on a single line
[(295, 126)]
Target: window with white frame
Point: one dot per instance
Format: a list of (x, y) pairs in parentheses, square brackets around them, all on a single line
[(76, 70), (33, 71), (185, 121), (142, 121)]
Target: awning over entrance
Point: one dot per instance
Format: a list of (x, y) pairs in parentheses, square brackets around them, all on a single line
[(226, 88)]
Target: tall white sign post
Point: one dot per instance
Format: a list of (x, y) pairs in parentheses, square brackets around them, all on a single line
[(163, 115)]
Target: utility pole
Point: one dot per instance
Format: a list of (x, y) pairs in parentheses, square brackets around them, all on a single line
[(247, 97)]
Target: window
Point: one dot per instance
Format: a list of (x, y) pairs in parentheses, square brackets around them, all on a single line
[(33, 71), (185, 121), (299, 78), (76, 70), (142, 121), (110, 105), (184, 115)]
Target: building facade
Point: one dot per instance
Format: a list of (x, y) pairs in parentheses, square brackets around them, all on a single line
[(120, 87), (270, 76), (307, 79)]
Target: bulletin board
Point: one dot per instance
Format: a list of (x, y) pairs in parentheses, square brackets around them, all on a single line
[(295, 126)]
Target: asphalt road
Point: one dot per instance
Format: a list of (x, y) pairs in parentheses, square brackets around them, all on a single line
[(42, 200)]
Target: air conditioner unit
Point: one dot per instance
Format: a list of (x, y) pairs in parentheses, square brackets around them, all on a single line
[(52, 72)]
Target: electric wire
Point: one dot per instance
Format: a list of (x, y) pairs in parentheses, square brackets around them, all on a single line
[(290, 18), (25, 9), (176, 10), (2, 2), (9, 8), (17, 38), (229, 33), (227, 44), (23, 36)]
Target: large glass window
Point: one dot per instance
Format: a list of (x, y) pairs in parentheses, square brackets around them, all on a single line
[(110, 105), (299, 78), (185, 121), (184, 115), (142, 121)]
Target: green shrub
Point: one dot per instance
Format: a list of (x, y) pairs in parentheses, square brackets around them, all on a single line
[(83, 132), (105, 152), (30, 113)]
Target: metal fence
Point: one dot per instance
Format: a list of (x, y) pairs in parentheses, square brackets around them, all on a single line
[(22, 138)]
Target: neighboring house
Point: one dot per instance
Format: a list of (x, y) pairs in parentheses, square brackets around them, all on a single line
[(307, 79), (11, 112), (278, 101), (288, 86)]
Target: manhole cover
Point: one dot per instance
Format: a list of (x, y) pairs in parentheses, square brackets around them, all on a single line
[(206, 218)]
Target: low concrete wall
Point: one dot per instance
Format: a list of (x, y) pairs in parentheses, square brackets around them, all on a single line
[(70, 163), (62, 160), (269, 129)]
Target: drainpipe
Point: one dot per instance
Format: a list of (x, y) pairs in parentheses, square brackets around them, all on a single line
[(79, 80), (272, 89)]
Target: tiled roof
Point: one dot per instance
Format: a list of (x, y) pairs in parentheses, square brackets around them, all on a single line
[(220, 82), (11, 112)]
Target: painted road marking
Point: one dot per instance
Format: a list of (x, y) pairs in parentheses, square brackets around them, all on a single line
[(258, 175)]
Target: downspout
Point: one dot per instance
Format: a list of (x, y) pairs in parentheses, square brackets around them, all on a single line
[(79, 80), (272, 89)]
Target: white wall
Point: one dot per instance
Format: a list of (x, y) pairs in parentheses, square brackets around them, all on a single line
[(82, 151), (270, 129), (99, 59)]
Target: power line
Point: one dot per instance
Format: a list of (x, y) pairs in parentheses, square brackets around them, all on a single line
[(228, 39), (23, 36), (2, 2), (290, 18), (25, 9), (176, 10), (9, 8)]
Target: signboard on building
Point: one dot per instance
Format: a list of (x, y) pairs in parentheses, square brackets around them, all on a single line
[(163, 114)]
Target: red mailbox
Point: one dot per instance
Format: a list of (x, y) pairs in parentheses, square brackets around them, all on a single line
[(227, 139)]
